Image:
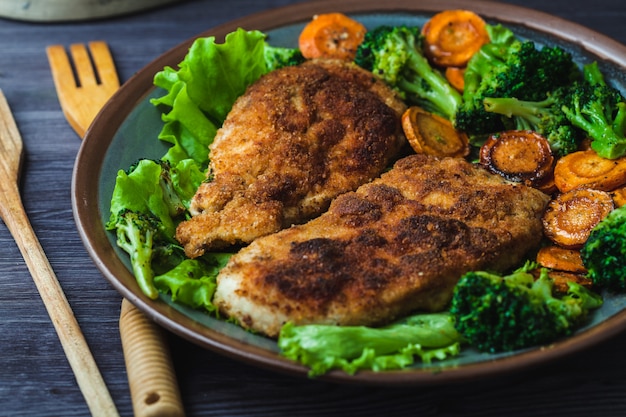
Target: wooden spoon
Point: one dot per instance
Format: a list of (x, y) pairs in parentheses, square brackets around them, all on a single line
[(14, 216)]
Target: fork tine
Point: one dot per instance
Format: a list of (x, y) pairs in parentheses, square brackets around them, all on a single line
[(82, 65), (82, 99), (62, 75), (104, 63)]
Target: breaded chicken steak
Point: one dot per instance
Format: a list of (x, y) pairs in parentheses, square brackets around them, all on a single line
[(396, 245), (295, 140)]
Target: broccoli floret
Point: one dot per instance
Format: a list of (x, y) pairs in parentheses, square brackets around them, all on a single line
[(588, 106), (544, 117), (592, 74), (150, 251), (510, 67), (604, 253), (600, 111), (170, 194), (497, 313), (394, 53), (166, 256), (148, 200), (138, 234), (277, 57)]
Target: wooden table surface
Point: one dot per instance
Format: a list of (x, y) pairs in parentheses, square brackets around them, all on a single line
[(35, 378)]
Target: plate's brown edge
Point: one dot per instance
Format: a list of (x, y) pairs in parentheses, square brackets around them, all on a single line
[(100, 134)]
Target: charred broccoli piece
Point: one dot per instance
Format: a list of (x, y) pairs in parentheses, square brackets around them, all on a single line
[(544, 117), (278, 57), (394, 53), (139, 235), (497, 313), (586, 107), (510, 67), (600, 111), (604, 253), (149, 199)]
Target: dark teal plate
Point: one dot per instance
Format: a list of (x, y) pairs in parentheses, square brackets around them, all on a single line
[(127, 129)]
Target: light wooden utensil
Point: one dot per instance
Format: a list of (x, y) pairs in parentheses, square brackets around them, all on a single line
[(14, 216), (83, 96), (152, 380)]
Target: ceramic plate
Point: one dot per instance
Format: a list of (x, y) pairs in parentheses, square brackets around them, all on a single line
[(128, 126)]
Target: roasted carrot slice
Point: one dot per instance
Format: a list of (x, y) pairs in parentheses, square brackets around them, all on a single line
[(432, 134), (451, 37), (619, 196), (561, 279), (456, 77), (587, 169), (331, 35), (570, 216), (561, 259), (518, 155), (546, 185)]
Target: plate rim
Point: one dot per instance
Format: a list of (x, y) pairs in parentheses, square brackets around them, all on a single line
[(87, 216)]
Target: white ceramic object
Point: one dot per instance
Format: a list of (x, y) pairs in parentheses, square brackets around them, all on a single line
[(69, 10)]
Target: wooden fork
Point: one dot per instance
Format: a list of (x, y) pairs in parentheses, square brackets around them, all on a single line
[(82, 96), (83, 88), (15, 218)]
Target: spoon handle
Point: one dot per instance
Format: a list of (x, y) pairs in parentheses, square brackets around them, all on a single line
[(151, 375), (72, 339)]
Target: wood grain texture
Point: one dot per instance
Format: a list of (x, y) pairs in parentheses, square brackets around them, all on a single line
[(85, 78), (14, 215), (35, 378), (151, 374)]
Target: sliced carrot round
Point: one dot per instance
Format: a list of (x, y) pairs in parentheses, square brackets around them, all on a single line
[(518, 155), (452, 37), (432, 134), (562, 278), (570, 217), (561, 259), (619, 196), (456, 77), (587, 169), (331, 35)]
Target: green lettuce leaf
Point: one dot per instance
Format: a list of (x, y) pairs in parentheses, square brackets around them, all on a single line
[(197, 98), (146, 188), (192, 282), (141, 190), (202, 91), (217, 74), (184, 144), (187, 176), (351, 348)]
